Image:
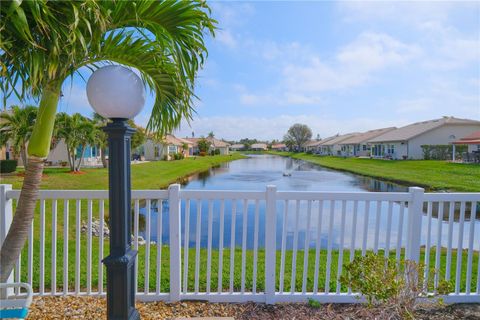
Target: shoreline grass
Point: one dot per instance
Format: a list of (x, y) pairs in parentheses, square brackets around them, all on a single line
[(149, 175), (431, 174)]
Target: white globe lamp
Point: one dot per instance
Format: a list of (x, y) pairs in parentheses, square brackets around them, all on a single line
[(116, 92)]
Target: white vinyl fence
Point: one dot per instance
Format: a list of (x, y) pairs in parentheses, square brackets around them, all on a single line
[(265, 246)]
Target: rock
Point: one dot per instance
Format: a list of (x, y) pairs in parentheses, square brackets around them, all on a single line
[(96, 228)]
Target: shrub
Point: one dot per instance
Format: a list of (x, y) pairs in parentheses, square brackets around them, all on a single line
[(212, 152), (202, 154), (391, 284), (178, 156), (165, 157), (441, 152), (7, 166), (217, 151)]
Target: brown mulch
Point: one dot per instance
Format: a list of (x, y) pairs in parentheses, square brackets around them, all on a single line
[(72, 307)]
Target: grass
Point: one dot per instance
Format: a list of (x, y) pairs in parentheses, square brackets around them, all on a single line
[(431, 174), (149, 175), (202, 279)]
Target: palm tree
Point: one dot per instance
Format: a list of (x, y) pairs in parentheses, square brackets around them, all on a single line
[(16, 128), (45, 42), (101, 137)]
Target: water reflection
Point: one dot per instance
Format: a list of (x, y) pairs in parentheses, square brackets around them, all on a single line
[(256, 172)]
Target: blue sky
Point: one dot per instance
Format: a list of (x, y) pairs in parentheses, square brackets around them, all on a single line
[(336, 66)]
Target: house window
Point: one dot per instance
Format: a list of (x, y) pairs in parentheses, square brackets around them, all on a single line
[(364, 147), (391, 149), (172, 149), (156, 152)]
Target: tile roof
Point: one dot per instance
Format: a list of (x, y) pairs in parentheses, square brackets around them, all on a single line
[(366, 136), (337, 139), (472, 138), (418, 128)]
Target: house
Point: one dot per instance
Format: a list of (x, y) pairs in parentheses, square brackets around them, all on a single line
[(237, 147), (215, 144), (331, 146), (406, 142), (166, 148), (357, 145), (279, 147), (311, 146), (472, 141), (259, 147)]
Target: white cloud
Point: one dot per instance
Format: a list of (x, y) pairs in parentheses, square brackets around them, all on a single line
[(304, 75), (226, 38)]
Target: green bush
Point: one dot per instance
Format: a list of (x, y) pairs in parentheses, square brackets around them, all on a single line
[(217, 152), (442, 152), (387, 282), (178, 156), (7, 166)]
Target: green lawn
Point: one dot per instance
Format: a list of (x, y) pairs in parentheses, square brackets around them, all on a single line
[(432, 174), (150, 175)]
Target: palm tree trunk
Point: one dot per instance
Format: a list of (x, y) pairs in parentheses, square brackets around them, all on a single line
[(38, 149), (104, 157), (23, 155), (20, 227), (82, 154)]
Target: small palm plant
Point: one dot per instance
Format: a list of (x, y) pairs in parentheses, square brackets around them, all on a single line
[(45, 42), (16, 128)]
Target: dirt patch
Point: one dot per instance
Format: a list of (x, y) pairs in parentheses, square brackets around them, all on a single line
[(77, 172), (71, 307)]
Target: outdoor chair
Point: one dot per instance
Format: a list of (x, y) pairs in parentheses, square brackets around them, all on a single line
[(15, 306)]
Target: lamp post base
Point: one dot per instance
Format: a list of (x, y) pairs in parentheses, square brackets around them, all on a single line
[(120, 286)]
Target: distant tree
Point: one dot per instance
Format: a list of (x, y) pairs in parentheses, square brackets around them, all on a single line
[(203, 145), (139, 137), (101, 137), (298, 135), (248, 142), (318, 137), (211, 134), (16, 126)]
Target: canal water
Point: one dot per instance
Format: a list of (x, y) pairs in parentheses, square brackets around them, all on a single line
[(258, 171)]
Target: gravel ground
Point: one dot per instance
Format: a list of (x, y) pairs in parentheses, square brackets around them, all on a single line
[(71, 307)]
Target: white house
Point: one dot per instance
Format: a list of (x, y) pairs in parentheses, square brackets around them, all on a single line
[(237, 147), (406, 142), (357, 145), (259, 147), (331, 146), (312, 145)]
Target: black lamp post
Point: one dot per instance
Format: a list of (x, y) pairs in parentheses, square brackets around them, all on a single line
[(117, 93)]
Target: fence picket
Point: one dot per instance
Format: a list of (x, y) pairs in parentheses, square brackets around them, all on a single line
[(306, 247), (244, 244), (255, 246), (340, 249), (365, 227), (317, 247), (220, 247), (209, 244), (159, 245), (438, 252), (459, 248), (295, 247), (42, 248), (197, 244), (101, 209), (284, 240), (329, 247), (186, 245), (471, 235), (66, 211), (148, 219), (232, 244), (450, 239), (53, 270)]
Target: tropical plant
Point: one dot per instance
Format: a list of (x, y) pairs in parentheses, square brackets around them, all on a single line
[(211, 134), (45, 42), (139, 136), (16, 128), (101, 137), (77, 131), (297, 135), (203, 145)]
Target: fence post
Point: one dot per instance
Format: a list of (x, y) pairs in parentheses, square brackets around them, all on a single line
[(175, 241), (6, 216), (414, 227), (270, 243)]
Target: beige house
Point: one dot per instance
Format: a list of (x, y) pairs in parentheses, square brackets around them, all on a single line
[(215, 144), (237, 147), (357, 145), (166, 148), (279, 147), (406, 142)]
